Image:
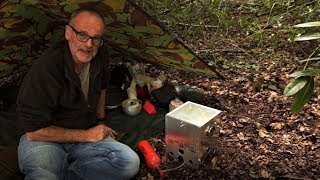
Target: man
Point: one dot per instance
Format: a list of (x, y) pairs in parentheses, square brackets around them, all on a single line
[(58, 105)]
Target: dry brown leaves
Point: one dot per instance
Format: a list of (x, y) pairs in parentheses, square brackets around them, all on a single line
[(260, 137)]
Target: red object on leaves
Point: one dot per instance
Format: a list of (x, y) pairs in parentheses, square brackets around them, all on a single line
[(149, 108), (151, 157)]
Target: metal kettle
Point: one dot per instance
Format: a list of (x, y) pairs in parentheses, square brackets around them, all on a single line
[(131, 106)]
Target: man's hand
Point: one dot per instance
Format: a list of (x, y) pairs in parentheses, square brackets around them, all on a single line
[(58, 134), (99, 132)]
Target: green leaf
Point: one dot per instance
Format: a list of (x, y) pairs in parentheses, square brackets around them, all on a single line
[(133, 49), (162, 40), (108, 20), (57, 35), (70, 8), (22, 10), (303, 96), (85, 1), (31, 31), (307, 72), (64, 3), (123, 18), (8, 20), (308, 24), (308, 37), (176, 51), (295, 86), (28, 12), (43, 24), (23, 53), (5, 34), (7, 69), (6, 52), (153, 51)]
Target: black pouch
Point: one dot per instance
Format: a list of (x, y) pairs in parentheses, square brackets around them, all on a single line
[(3, 105), (120, 80), (164, 95), (120, 77)]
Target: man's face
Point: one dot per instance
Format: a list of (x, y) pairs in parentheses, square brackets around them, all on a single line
[(90, 24)]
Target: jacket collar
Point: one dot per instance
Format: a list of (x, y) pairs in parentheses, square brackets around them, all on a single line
[(69, 67)]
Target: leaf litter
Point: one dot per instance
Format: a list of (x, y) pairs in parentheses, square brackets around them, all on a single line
[(260, 137)]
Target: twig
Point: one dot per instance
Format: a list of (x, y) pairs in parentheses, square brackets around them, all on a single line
[(306, 4), (271, 112), (172, 169), (220, 50), (192, 25), (267, 24), (305, 66), (235, 45)]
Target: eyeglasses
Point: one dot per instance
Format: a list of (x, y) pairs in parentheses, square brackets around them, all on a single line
[(83, 37)]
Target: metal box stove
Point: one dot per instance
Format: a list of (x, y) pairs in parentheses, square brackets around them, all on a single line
[(191, 132)]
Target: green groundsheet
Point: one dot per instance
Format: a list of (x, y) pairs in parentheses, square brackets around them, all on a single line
[(8, 123), (131, 129)]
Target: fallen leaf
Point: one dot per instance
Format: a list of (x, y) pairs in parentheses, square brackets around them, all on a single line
[(149, 176), (263, 133), (244, 120), (272, 96), (233, 124), (277, 126), (214, 163), (258, 125), (270, 140), (267, 77), (286, 138), (302, 128), (239, 125), (240, 136), (265, 174)]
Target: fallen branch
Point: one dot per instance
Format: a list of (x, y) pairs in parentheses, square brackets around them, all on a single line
[(191, 25), (220, 50)]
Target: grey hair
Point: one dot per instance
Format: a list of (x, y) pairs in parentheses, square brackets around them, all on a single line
[(89, 10)]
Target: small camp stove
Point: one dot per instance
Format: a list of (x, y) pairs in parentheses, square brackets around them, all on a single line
[(191, 132)]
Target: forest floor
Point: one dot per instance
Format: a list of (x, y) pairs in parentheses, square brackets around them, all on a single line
[(259, 136)]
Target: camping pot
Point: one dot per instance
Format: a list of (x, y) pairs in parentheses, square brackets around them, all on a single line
[(174, 104), (131, 106)]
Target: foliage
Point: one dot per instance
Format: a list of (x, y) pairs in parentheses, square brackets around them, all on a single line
[(262, 24), (303, 84), (255, 17)]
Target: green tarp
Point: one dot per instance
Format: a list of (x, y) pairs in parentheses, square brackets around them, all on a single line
[(131, 129), (28, 27)]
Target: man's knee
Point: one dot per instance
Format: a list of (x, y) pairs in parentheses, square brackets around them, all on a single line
[(41, 158), (134, 165), (41, 174), (125, 165)]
